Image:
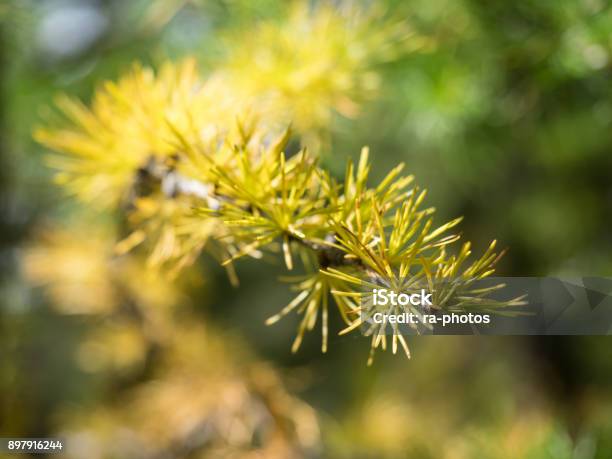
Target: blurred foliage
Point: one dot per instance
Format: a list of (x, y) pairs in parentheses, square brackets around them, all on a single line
[(221, 405), (501, 109)]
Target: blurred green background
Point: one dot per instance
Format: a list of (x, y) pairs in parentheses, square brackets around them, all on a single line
[(505, 116)]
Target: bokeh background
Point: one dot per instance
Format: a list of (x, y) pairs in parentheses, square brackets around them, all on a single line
[(503, 110)]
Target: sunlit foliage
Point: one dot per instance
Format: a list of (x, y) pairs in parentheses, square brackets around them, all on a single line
[(321, 60), (194, 183)]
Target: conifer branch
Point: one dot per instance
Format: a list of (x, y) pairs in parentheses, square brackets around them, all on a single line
[(232, 191)]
